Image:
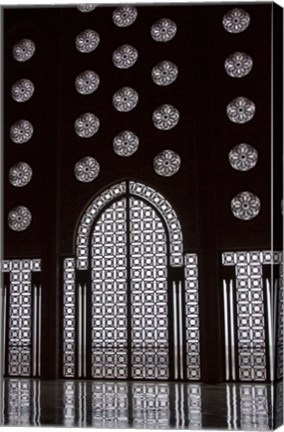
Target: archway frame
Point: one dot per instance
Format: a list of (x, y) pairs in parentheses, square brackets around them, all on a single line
[(185, 263)]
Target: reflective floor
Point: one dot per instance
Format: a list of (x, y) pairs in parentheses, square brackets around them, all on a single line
[(143, 405)]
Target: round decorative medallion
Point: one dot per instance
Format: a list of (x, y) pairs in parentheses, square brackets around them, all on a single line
[(87, 41), (19, 218), (20, 174), (23, 50), (164, 73), (165, 117), (125, 99), (167, 163), (163, 30), (238, 65), (87, 82), (21, 131), (86, 7), (22, 90), (125, 143), (87, 169), (241, 110), (245, 206), (236, 20), (87, 125), (243, 157), (125, 56), (124, 16)]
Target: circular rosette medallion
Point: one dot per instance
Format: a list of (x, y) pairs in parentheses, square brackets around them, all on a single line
[(87, 41), (164, 73), (241, 110), (87, 169), (243, 157), (21, 131), (125, 143), (23, 50), (124, 16), (19, 218), (167, 163), (238, 65), (163, 30), (125, 99), (22, 90), (124, 57), (245, 206), (86, 7), (165, 117), (236, 20), (87, 125), (87, 82), (20, 174)]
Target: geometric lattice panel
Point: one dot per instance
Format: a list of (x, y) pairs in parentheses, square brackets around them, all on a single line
[(169, 216), (69, 322), (149, 302), (250, 310), (109, 293), (20, 314), (192, 317), (86, 222)]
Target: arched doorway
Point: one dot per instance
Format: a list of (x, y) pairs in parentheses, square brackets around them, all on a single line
[(132, 290)]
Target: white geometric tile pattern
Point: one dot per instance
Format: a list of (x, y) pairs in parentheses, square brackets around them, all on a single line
[(170, 217), (149, 302), (251, 338), (20, 314), (109, 294), (192, 317), (87, 220), (69, 323)]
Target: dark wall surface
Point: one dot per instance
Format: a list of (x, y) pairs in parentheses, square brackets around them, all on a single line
[(200, 192)]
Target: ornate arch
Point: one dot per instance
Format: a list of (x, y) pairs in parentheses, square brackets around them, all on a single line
[(138, 189)]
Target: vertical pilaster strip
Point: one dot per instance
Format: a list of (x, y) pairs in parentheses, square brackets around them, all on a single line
[(69, 314), (4, 328), (232, 328), (226, 330), (35, 329), (180, 313), (271, 343), (85, 330), (79, 338), (175, 325), (39, 329), (192, 317)]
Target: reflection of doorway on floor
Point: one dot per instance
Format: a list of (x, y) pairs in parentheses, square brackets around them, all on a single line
[(101, 404)]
